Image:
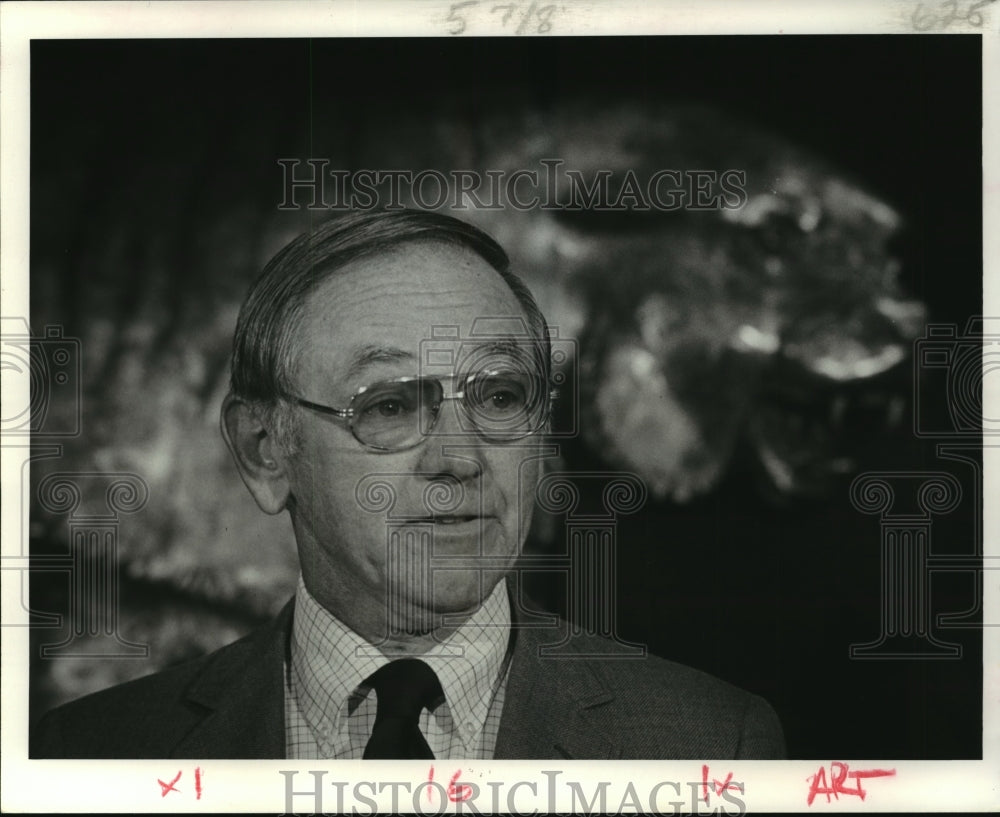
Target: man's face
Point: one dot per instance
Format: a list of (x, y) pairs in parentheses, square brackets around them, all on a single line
[(365, 324)]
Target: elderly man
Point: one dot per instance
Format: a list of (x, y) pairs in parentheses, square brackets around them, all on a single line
[(368, 404)]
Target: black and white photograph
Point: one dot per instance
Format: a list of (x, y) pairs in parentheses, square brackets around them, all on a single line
[(500, 393)]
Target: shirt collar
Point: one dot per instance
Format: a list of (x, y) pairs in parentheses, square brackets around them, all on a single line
[(329, 661)]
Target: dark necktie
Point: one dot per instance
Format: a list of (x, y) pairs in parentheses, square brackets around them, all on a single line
[(404, 688)]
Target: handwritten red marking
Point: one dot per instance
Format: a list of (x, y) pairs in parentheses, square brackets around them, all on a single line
[(719, 787), (459, 793), (197, 782), (165, 788), (839, 775), (430, 779)]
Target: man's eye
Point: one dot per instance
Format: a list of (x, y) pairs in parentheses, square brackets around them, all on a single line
[(388, 405), (505, 400), (500, 396), (388, 408)]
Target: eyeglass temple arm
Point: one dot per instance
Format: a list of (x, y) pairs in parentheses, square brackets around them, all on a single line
[(343, 414)]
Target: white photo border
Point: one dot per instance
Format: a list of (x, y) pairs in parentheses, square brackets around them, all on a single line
[(258, 786)]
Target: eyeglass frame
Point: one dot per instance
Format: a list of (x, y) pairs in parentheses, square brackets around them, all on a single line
[(348, 414)]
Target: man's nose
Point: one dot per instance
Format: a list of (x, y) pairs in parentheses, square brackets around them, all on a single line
[(452, 447)]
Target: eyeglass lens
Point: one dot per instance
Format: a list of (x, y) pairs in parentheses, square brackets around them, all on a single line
[(500, 405)]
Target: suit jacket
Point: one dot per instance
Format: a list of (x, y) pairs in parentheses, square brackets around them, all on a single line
[(230, 704)]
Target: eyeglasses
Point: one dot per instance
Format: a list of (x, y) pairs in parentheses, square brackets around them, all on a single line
[(499, 405)]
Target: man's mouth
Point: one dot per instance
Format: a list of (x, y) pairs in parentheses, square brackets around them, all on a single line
[(452, 520), (447, 519)]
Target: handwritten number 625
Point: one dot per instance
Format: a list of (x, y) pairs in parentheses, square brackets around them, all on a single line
[(924, 20), (974, 13)]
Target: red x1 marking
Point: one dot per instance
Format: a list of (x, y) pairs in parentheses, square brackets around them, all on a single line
[(169, 787)]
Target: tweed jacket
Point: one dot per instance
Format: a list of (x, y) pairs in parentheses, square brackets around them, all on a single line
[(230, 704)]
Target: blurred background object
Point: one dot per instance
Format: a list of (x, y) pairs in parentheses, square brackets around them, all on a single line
[(747, 362), (702, 327)]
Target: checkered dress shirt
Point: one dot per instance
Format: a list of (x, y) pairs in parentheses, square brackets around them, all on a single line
[(329, 712)]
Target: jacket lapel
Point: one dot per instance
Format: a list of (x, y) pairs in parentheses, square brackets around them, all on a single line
[(553, 705), (243, 693)]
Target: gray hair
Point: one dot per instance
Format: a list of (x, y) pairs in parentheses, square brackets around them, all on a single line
[(263, 356)]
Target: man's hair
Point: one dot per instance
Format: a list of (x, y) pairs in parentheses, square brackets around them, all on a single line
[(263, 357)]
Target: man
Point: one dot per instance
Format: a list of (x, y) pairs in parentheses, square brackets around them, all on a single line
[(405, 444)]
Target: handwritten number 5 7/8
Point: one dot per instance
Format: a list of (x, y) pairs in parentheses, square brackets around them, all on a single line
[(526, 12), (453, 16)]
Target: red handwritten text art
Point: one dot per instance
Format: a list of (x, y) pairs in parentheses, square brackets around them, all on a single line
[(719, 785), (457, 792), (166, 788), (840, 774)]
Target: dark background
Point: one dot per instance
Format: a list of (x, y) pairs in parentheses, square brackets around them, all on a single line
[(144, 144)]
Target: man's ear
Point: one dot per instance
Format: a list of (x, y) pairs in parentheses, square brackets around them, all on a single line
[(259, 458)]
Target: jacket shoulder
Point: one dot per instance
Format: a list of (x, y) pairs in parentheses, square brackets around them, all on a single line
[(142, 718), (656, 708), (724, 720)]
